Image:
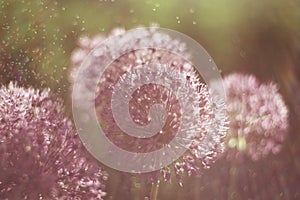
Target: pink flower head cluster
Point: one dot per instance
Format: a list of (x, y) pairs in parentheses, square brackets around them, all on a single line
[(209, 131), (258, 116), (41, 156)]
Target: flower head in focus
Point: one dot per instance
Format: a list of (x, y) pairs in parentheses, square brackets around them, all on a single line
[(258, 116), (41, 156), (209, 128)]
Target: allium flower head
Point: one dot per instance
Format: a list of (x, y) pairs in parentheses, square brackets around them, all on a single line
[(258, 115), (209, 130), (41, 156)]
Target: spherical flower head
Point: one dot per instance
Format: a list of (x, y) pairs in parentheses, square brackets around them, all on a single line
[(207, 128), (258, 116), (41, 156)]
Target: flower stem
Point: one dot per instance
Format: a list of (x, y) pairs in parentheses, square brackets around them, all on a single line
[(135, 189), (154, 191)]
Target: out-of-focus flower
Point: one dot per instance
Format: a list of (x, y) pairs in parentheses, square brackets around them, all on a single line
[(258, 116), (41, 156), (209, 129)]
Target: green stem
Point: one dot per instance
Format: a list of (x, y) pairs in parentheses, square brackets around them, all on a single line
[(154, 191), (135, 189)]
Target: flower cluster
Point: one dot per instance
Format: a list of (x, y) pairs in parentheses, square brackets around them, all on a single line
[(258, 116), (41, 156), (209, 130)]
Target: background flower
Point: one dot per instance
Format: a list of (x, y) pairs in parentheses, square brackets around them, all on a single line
[(41, 155), (258, 115)]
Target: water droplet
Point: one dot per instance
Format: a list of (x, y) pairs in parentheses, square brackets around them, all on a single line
[(27, 148), (242, 54)]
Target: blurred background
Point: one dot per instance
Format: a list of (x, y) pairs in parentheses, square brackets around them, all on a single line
[(257, 37)]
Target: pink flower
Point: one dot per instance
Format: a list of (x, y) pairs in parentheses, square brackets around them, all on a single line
[(209, 131), (41, 155), (258, 116)]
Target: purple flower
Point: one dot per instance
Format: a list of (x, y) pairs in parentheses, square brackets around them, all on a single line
[(41, 156), (258, 116), (209, 130)]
